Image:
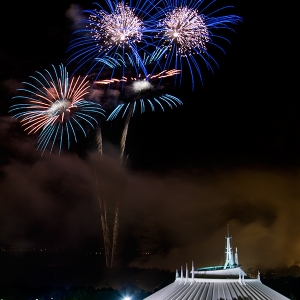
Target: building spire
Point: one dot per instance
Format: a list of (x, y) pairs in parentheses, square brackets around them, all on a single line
[(193, 271), (229, 262), (181, 275), (186, 273), (236, 256)]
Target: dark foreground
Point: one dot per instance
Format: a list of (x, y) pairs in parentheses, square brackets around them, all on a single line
[(75, 276)]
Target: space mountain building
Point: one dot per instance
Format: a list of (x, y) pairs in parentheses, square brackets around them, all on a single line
[(226, 282)]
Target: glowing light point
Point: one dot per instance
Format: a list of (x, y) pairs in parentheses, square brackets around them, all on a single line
[(59, 106), (141, 85)]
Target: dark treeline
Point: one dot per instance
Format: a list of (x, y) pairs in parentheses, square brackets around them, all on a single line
[(112, 284), (288, 286), (285, 280), (24, 292)]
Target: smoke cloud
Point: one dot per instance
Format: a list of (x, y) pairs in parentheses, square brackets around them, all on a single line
[(166, 220)]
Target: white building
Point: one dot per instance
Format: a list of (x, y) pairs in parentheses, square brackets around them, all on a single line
[(227, 282)]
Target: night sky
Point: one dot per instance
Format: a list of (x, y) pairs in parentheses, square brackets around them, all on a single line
[(228, 155)]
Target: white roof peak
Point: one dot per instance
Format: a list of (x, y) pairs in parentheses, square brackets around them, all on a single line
[(229, 261)]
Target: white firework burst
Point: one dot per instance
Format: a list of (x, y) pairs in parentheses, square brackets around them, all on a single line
[(184, 27), (120, 28)]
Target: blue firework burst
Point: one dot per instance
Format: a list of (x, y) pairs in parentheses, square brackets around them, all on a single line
[(54, 105), (140, 86), (185, 32), (118, 30), (141, 103)]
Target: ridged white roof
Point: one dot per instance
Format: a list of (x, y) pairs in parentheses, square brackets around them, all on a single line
[(216, 289), (228, 282)]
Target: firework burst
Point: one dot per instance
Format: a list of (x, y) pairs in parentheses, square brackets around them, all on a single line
[(55, 107), (108, 33), (120, 28), (140, 92), (184, 31)]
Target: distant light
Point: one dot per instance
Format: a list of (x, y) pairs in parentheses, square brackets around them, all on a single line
[(127, 298)]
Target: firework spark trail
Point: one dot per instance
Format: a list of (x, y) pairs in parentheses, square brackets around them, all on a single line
[(115, 232), (185, 31), (99, 141), (104, 224), (108, 248), (102, 205), (124, 133), (56, 107)]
